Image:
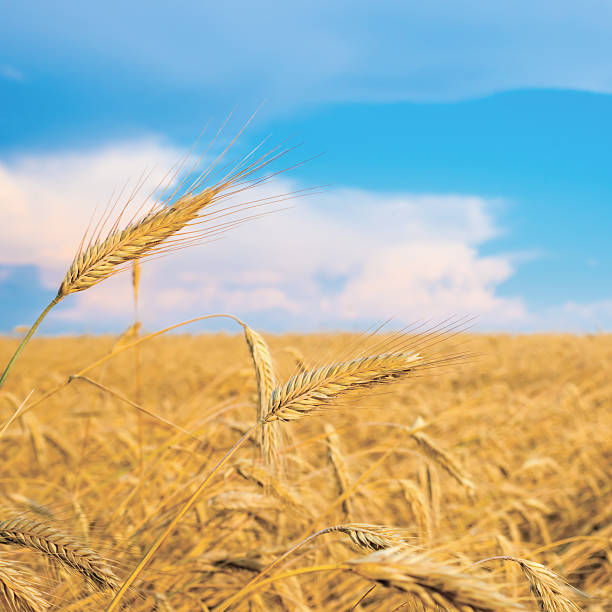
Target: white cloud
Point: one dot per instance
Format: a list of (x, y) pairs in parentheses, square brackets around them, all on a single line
[(47, 201), (345, 257), (580, 316)]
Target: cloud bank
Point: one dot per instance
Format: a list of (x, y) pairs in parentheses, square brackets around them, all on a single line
[(343, 258)]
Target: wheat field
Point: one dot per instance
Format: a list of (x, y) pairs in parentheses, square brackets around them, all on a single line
[(417, 469), (482, 483)]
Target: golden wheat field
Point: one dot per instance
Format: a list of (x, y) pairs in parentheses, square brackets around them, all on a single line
[(422, 483)]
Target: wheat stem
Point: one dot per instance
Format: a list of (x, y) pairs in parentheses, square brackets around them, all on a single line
[(294, 572), (369, 537), (246, 588), (27, 337), (173, 523)]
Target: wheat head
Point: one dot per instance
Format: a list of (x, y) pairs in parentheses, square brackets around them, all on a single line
[(373, 537), (140, 238), (336, 459), (551, 592), (315, 389), (65, 549)]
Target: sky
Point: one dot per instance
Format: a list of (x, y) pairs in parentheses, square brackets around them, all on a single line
[(460, 153)]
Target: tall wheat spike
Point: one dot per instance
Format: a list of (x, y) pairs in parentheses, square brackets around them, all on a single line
[(135, 281), (315, 389)]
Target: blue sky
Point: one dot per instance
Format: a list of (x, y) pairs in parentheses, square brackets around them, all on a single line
[(466, 149)]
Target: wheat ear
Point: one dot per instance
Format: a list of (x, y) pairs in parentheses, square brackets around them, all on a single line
[(431, 583), (17, 594), (271, 484), (373, 537), (550, 590), (443, 459), (270, 434), (65, 549), (315, 389), (105, 257), (419, 507), (336, 459)]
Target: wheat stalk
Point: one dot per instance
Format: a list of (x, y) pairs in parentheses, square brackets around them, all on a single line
[(65, 549), (364, 536), (17, 594), (243, 500), (315, 389), (271, 484)]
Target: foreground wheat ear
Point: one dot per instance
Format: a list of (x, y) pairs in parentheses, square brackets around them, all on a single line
[(165, 227)]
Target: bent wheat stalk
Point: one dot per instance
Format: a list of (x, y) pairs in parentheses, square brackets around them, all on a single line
[(433, 584), (364, 536)]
